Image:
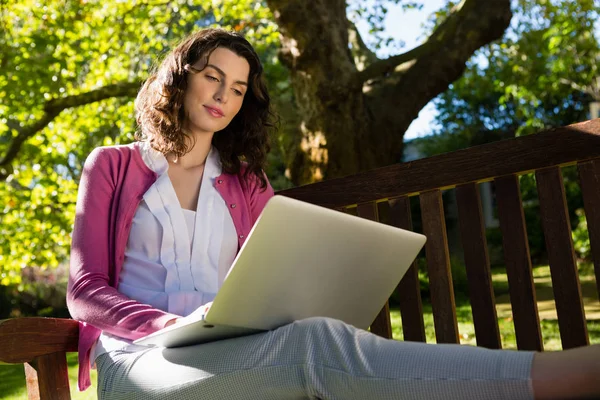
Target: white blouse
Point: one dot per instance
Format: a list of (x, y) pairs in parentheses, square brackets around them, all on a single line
[(175, 259)]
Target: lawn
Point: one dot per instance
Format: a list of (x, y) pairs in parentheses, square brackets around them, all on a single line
[(12, 382), (549, 327), (546, 311), (12, 377)]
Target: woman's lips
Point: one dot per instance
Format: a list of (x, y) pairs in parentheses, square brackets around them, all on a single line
[(215, 112)]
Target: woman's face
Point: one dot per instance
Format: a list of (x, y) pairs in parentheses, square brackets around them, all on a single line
[(215, 95)]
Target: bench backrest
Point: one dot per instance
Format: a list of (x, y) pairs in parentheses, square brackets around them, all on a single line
[(41, 343), (502, 162)]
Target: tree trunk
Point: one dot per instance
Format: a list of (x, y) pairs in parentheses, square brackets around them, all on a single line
[(352, 119)]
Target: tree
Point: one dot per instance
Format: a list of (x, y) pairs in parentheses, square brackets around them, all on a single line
[(69, 70), (355, 107)]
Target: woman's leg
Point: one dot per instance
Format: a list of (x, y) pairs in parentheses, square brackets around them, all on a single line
[(316, 358), (569, 374)]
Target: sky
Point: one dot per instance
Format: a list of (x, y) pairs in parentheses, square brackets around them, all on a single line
[(408, 26)]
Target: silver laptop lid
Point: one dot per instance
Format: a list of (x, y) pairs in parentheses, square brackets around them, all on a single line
[(302, 260)]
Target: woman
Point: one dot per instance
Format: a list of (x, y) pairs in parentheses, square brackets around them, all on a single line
[(159, 223)]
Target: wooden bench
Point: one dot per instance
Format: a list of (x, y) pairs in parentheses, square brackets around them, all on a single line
[(41, 343)]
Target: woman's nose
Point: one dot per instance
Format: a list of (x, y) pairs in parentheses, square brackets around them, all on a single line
[(220, 95)]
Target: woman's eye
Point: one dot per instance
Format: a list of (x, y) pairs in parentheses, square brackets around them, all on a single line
[(237, 92), (212, 78)]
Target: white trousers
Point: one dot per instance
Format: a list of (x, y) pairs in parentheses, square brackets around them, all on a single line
[(316, 358)]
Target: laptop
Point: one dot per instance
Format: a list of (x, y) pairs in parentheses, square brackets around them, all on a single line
[(301, 260)]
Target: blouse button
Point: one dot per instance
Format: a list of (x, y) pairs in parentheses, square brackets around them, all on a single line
[(241, 236), (232, 206), (220, 181)]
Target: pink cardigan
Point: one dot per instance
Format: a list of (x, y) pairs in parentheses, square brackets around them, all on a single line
[(113, 181)]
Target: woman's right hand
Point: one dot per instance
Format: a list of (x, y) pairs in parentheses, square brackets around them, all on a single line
[(196, 315)]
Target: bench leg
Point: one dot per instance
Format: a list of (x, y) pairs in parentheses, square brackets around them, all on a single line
[(47, 378)]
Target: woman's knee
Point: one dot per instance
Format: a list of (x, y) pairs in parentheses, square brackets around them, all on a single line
[(321, 327), (317, 323)]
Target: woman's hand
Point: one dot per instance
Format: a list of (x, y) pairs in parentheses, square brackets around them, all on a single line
[(196, 315)]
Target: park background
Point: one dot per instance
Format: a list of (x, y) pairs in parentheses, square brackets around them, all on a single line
[(358, 85)]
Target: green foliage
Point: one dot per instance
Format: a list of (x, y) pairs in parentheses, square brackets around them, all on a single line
[(581, 237), (542, 74), (41, 292), (56, 49), (532, 79)]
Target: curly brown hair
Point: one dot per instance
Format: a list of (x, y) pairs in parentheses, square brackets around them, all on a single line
[(160, 114)]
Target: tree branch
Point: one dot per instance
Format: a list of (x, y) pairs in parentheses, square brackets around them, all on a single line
[(430, 68), (52, 109), (459, 21), (123, 89), (363, 56), (384, 67), (592, 89)]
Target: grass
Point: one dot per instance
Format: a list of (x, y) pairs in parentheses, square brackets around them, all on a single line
[(12, 377), (549, 328), (12, 381), (546, 311)]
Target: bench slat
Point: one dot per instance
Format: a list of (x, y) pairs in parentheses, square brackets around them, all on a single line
[(477, 263), (561, 257), (518, 263), (411, 305), (382, 325), (589, 177), (438, 266)]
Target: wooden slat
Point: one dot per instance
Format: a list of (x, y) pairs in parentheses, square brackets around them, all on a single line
[(382, 325), (438, 266), (409, 290), (368, 211), (518, 264), (568, 144), (51, 375), (23, 339), (481, 292), (589, 177), (561, 257)]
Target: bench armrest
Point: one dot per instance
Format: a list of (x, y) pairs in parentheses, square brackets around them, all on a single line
[(23, 339)]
